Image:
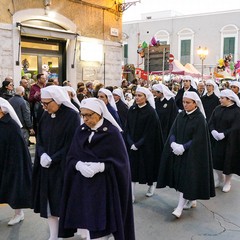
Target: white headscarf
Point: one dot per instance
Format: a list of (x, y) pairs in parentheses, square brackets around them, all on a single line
[(188, 77), (196, 99), (119, 92), (109, 95), (164, 90), (71, 89), (216, 89), (236, 83), (231, 95), (99, 107), (7, 108), (148, 94), (59, 95)]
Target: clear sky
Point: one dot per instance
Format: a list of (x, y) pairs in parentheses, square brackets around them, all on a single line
[(182, 6)]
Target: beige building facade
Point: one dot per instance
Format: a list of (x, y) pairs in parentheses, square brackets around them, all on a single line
[(70, 39)]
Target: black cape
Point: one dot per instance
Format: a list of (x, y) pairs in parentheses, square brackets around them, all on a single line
[(102, 204), (122, 112), (144, 131), (54, 138), (15, 165), (192, 172), (209, 104), (167, 112), (226, 153), (179, 96)]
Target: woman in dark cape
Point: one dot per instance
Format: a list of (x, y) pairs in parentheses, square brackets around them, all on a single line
[(166, 107), (186, 163), (97, 186), (56, 130), (15, 163), (225, 128), (144, 139)]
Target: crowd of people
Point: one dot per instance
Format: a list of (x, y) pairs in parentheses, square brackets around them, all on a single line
[(95, 143)]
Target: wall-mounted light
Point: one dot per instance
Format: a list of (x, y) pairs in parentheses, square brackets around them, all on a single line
[(47, 3), (121, 7)]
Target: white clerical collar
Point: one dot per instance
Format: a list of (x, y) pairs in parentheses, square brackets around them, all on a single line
[(188, 113), (98, 125), (230, 105), (209, 94), (142, 105)]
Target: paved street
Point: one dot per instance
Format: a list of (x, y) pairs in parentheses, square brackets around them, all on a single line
[(218, 218)]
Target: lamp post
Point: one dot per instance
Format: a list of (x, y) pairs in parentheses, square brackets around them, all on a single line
[(202, 53)]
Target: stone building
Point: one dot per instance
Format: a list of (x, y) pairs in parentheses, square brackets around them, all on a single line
[(218, 31), (70, 39)]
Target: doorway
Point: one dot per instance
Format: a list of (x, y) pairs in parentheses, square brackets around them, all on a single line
[(43, 55)]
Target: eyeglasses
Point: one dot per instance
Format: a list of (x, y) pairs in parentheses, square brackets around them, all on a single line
[(45, 104), (209, 85), (87, 115)]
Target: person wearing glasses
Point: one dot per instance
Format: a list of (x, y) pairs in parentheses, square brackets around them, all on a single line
[(97, 199), (15, 163), (56, 129)]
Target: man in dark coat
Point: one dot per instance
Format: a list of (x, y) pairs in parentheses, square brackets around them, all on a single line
[(56, 129), (186, 163), (97, 186), (15, 163), (144, 138), (210, 100), (22, 109), (188, 85)]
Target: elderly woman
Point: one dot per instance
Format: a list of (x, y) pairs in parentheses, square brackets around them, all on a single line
[(186, 163), (56, 130), (144, 138), (15, 163), (165, 106), (107, 97), (224, 127), (97, 189)]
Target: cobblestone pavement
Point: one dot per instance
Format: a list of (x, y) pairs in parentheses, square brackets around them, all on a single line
[(218, 218)]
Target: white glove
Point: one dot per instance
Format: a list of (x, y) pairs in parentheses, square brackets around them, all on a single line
[(96, 167), (45, 160), (221, 136), (215, 134), (133, 147), (84, 169), (174, 145), (179, 150)]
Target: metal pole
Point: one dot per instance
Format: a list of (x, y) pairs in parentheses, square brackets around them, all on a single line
[(148, 62), (202, 69), (163, 64)]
